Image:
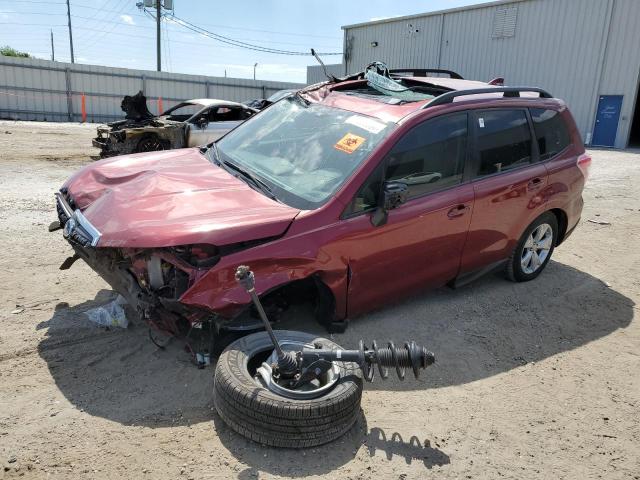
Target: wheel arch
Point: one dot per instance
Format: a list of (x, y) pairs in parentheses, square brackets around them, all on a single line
[(561, 217), (312, 288)]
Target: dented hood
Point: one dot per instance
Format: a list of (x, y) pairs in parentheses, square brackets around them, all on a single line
[(170, 198)]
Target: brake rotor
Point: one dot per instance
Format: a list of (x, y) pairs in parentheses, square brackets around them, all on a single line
[(314, 389)]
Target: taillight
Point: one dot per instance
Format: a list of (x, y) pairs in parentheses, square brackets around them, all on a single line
[(584, 163)]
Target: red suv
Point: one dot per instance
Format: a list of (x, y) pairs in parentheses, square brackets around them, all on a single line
[(352, 193)]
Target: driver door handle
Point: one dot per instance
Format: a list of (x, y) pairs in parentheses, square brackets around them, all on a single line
[(535, 183), (458, 211)]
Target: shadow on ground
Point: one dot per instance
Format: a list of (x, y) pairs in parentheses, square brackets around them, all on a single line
[(477, 331), (326, 458), (119, 374)]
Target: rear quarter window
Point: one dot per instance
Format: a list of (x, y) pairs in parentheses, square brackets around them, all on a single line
[(551, 132)]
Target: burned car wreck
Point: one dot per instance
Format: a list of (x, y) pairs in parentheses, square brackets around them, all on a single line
[(188, 124)]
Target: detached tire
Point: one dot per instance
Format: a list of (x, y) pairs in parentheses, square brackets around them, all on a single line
[(534, 249), (270, 419)]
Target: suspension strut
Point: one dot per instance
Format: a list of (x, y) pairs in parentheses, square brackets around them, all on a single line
[(287, 362), (300, 367), (409, 356)]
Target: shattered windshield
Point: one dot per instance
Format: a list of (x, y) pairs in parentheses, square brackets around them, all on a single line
[(303, 151)]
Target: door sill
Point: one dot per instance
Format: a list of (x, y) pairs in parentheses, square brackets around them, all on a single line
[(469, 277)]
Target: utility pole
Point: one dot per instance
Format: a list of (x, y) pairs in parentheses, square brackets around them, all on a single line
[(254, 70), (53, 52), (70, 34), (158, 18)]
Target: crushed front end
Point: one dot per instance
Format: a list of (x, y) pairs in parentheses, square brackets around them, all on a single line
[(151, 280)]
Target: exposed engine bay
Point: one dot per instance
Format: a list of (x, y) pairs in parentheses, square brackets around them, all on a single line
[(153, 280)]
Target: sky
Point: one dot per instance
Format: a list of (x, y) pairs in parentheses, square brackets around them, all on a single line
[(118, 33)]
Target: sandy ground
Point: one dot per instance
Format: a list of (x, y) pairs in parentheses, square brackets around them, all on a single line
[(536, 380)]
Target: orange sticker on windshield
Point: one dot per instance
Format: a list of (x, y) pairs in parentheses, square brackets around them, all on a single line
[(349, 143)]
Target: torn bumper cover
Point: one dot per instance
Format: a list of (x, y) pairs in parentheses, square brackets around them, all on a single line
[(151, 280)]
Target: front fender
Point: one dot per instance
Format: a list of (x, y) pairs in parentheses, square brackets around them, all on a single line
[(218, 290)]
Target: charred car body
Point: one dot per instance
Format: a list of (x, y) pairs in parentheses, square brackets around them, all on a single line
[(188, 124), (354, 192)]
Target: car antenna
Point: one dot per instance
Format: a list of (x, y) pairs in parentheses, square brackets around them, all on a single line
[(324, 69)]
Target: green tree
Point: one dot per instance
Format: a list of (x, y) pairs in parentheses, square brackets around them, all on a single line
[(7, 51)]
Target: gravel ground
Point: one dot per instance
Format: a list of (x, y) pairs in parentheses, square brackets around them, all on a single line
[(536, 380)]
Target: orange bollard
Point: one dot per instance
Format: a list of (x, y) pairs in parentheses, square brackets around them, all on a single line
[(160, 109), (83, 108)]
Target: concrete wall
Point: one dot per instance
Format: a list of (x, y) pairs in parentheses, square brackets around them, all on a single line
[(43, 90), (576, 49)]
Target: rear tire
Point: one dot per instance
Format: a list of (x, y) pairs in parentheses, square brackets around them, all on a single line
[(270, 419), (534, 249)]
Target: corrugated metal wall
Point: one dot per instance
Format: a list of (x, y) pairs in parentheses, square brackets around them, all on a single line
[(621, 69), (315, 73), (33, 89), (577, 49)]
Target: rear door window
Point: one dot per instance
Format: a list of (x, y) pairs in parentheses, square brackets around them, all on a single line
[(503, 140), (552, 134)]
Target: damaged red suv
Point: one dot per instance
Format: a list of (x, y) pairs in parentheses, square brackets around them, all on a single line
[(352, 193)]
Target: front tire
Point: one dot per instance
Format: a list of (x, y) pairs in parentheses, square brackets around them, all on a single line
[(255, 412), (150, 143), (534, 249)]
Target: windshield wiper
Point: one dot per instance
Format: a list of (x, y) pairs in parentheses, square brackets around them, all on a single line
[(259, 184), (262, 186)]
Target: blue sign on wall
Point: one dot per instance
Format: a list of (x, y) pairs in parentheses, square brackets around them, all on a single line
[(604, 133)]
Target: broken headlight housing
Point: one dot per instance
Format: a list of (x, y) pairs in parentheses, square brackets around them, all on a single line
[(76, 227)]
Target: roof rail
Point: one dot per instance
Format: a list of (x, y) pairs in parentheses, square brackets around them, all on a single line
[(422, 72), (509, 92)]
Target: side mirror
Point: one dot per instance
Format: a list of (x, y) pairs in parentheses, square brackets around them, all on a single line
[(394, 194), (202, 122)]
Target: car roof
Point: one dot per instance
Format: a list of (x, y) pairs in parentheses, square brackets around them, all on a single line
[(346, 95), (207, 102)]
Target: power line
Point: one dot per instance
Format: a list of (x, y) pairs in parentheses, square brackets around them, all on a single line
[(224, 27), (149, 15), (244, 29), (123, 6), (33, 1), (237, 43), (48, 25), (103, 15), (104, 33), (34, 13)]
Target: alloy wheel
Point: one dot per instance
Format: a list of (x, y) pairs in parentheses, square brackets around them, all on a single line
[(536, 249)]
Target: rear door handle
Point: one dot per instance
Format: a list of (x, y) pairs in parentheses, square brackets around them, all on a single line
[(458, 211), (535, 183)]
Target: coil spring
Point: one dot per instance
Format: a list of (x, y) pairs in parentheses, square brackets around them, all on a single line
[(409, 356)]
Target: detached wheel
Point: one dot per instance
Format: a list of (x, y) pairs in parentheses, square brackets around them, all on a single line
[(244, 402), (150, 143), (534, 249)]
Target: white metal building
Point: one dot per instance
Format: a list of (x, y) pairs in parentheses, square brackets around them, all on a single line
[(584, 51)]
